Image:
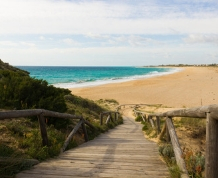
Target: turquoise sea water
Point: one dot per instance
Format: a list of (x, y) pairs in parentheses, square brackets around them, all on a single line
[(72, 77)]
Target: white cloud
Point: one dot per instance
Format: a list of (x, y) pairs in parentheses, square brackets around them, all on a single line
[(213, 56), (7, 43), (116, 55), (42, 38), (200, 38), (97, 36), (27, 44), (69, 41), (125, 31), (133, 40), (16, 44), (98, 17)]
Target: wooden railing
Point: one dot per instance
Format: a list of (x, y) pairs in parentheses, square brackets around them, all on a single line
[(210, 113), (109, 117), (41, 114)]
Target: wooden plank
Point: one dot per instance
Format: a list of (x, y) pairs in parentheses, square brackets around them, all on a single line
[(117, 153), (89, 171), (198, 112), (97, 162), (35, 112)]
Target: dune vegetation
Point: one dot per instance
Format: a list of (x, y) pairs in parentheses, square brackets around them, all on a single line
[(20, 140)]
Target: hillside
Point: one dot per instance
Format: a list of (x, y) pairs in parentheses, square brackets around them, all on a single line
[(20, 138), (6, 66)]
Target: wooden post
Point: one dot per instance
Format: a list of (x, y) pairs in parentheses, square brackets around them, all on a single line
[(108, 119), (167, 132), (85, 132), (67, 141), (151, 121), (176, 148), (112, 119), (43, 130), (158, 124), (115, 116), (142, 117), (135, 113), (211, 147), (148, 118), (89, 124), (101, 118), (163, 131)]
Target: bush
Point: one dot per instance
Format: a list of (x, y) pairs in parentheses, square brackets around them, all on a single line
[(19, 91), (32, 143), (84, 103), (138, 119), (195, 163), (167, 152), (175, 171), (23, 92)]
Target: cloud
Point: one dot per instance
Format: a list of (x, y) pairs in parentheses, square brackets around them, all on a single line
[(123, 40), (27, 44), (213, 55), (106, 17), (42, 38), (70, 41), (8, 43), (97, 36), (200, 38), (133, 40), (16, 44)]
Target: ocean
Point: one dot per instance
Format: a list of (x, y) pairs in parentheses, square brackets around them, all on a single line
[(74, 77)]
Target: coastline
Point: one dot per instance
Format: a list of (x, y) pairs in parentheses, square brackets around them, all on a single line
[(118, 79), (191, 87)]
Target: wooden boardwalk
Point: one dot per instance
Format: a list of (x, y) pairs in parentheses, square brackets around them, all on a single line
[(121, 152)]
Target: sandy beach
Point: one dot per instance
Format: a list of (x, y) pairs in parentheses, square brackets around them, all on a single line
[(191, 87)]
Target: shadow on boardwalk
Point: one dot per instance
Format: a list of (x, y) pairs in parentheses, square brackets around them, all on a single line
[(121, 152)]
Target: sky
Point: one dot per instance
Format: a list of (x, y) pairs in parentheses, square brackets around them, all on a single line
[(108, 32)]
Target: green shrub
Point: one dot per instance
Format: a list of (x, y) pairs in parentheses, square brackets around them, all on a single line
[(33, 143), (166, 151), (175, 171), (84, 103), (138, 119), (195, 163), (112, 101), (5, 150)]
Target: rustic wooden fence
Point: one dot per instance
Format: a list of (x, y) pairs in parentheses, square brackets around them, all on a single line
[(109, 117), (41, 114), (210, 113)]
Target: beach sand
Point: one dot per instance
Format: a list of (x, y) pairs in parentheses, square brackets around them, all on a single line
[(191, 87)]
